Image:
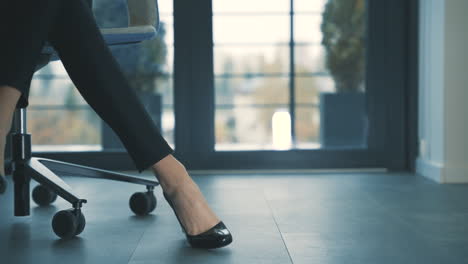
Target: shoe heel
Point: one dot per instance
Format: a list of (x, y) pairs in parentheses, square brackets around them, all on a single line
[(168, 200)]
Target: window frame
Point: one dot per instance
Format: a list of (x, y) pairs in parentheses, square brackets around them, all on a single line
[(392, 138)]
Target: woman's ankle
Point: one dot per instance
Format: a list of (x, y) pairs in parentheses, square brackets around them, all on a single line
[(171, 174)]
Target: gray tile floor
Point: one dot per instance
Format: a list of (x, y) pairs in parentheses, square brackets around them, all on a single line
[(274, 218)]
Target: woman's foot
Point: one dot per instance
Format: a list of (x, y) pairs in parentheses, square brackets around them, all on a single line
[(215, 237), (190, 204), (9, 97)]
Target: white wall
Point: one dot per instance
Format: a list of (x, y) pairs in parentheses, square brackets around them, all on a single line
[(443, 88)]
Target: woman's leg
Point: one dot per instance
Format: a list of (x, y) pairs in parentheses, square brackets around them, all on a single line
[(24, 26), (99, 79), (9, 96), (96, 74)]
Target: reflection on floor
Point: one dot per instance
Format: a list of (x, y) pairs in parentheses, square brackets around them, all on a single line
[(295, 218)]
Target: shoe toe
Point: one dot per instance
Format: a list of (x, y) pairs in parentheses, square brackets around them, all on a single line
[(212, 242), (216, 237)]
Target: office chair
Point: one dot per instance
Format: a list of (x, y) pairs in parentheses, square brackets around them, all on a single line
[(143, 24)]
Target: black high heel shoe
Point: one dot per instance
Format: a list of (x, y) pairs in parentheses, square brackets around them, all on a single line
[(215, 237)]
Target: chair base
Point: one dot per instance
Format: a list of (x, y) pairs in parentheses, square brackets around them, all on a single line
[(43, 170), (67, 223)]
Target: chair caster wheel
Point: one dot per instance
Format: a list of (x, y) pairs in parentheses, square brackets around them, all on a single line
[(68, 223), (143, 203), (43, 196)]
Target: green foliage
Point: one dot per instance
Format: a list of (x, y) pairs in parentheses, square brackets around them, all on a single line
[(343, 28)]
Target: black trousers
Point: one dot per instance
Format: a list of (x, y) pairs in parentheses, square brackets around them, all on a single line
[(70, 27)]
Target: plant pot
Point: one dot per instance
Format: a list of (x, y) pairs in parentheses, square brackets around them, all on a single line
[(152, 103), (343, 119)]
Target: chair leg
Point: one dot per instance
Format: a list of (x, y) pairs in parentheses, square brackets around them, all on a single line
[(21, 181), (46, 177), (22, 175), (84, 171)]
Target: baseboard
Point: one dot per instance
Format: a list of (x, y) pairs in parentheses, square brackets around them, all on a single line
[(440, 173), (430, 170)]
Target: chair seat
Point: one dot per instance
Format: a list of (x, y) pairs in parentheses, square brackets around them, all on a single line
[(114, 36)]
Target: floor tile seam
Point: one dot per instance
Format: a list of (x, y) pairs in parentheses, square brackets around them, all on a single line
[(277, 226), (137, 245)]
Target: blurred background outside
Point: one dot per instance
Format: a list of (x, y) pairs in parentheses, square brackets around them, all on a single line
[(261, 52)]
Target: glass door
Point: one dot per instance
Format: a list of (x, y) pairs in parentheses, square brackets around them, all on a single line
[(280, 84), (295, 84), (289, 76)]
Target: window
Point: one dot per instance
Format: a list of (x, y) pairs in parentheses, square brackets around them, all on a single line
[(255, 87), (60, 119), (271, 78)]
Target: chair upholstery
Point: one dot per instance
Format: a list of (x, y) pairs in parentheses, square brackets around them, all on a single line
[(143, 23), (143, 12)]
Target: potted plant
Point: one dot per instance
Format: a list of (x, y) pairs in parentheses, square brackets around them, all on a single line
[(343, 115), (142, 64)]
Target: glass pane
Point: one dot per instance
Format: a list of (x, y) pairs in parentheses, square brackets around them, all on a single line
[(330, 110), (328, 72), (168, 66), (251, 6), (310, 59), (308, 89), (63, 128), (308, 126), (307, 28), (270, 29), (148, 66), (61, 88), (309, 5), (165, 7), (167, 28), (251, 59), (245, 111), (252, 91), (252, 128)]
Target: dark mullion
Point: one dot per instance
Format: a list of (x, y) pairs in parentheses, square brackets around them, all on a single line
[(292, 84), (202, 91), (182, 79)]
